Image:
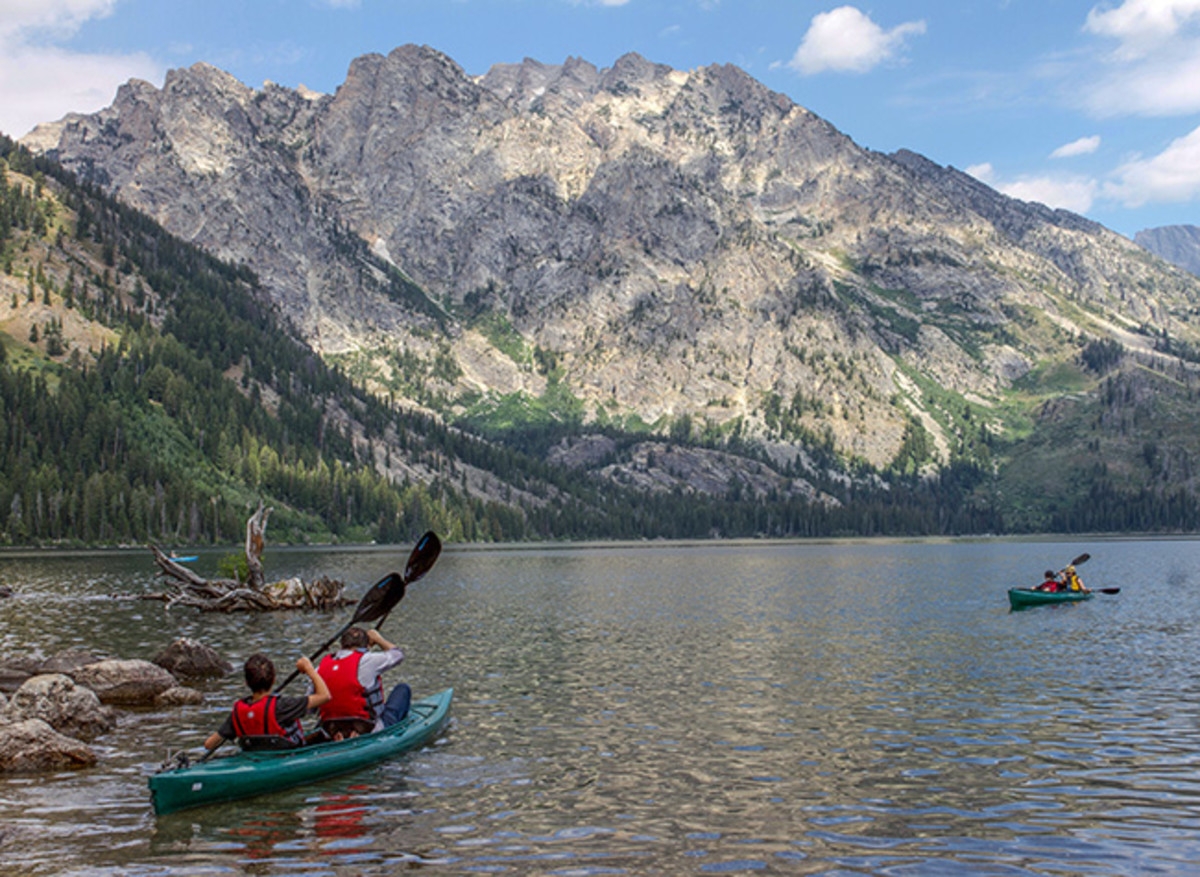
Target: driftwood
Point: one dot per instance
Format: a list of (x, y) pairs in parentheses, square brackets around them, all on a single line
[(254, 595)]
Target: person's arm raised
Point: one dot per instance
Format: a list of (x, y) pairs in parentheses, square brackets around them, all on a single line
[(376, 637), (320, 695)]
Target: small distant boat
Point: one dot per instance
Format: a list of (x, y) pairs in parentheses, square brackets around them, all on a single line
[(189, 559), (1022, 598)]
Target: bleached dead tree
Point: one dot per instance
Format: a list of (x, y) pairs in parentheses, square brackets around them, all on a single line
[(253, 595)]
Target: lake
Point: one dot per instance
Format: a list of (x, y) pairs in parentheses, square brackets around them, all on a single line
[(859, 707)]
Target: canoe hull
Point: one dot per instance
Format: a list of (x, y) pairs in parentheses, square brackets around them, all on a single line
[(253, 773), (1022, 598)]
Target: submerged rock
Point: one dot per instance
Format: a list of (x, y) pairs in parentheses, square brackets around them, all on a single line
[(68, 661), (188, 659), (11, 679), (179, 696), (128, 683), (65, 706), (32, 745)]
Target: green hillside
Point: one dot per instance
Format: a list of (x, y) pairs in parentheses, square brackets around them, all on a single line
[(148, 392)]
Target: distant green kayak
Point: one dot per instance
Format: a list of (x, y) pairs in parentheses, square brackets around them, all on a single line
[(256, 773), (1021, 598)]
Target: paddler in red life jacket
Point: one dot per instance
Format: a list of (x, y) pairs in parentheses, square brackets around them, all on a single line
[(354, 676), (264, 716), (1051, 583)]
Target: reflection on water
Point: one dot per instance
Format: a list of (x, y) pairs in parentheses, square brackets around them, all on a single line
[(802, 708)]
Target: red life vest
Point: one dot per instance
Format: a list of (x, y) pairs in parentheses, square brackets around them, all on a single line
[(348, 699), (257, 719)]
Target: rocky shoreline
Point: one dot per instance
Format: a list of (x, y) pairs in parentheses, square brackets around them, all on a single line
[(50, 710)]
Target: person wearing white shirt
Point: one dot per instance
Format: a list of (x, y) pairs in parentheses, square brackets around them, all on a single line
[(354, 676)]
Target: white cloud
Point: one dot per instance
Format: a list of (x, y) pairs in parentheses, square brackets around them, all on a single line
[(41, 82), (1162, 85), (1140, 25), (984, 172), (1155, 67), (1074, 193), (844, 40), (1082, 146), (61, 17), (1171, 176)]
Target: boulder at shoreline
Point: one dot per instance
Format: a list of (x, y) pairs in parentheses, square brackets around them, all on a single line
[(32, 746), (68, 708), (127, 683), (188, 659)]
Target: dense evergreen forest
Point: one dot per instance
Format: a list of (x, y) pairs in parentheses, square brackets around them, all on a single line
[(157, 396)]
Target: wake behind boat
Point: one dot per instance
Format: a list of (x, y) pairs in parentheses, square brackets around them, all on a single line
[(255, 773)]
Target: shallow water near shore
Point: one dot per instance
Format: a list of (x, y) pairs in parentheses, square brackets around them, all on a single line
[(833, 707)]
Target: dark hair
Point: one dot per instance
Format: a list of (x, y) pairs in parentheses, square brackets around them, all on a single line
[(355, 638), (1049, 573), (260, 672)]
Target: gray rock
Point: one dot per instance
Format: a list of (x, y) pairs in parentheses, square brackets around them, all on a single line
[(11, 679), (125, 682), (68, 661), (65, 706), (179, 696), (32, 745), (682, 244), (188, 659)]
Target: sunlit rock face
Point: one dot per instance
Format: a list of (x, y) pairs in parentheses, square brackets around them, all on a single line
[(665, 245)]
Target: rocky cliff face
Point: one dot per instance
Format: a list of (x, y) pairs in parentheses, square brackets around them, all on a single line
[(1178, 244), (662, 246)]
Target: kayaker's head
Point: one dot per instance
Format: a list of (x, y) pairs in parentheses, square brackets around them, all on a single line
[(355, 638), (1049, 574), (1070, 570), (260, 672)]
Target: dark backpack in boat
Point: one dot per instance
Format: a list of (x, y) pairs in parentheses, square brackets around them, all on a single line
[(265, 743), (347, 727)]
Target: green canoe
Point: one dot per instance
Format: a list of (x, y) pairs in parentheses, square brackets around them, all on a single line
[(1020, 598), (254, 773)]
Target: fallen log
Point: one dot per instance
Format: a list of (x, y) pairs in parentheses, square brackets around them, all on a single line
[(256, 595)]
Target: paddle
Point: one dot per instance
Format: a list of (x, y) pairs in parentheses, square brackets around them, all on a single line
[(383, 596), (1084, 558), (378, 602)]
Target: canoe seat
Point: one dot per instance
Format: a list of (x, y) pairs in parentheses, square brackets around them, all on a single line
[(347, 727), (264, 743)]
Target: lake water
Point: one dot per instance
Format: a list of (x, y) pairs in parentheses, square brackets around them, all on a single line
[(799, 708)]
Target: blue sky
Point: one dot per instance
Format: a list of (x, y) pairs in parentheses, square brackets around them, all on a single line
[(1092, 106)]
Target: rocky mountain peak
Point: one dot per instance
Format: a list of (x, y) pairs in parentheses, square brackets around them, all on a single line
[(1178, 244), (660, 246)]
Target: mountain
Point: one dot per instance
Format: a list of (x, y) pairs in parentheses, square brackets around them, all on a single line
[(618, 268), (150, 392), (1178, 244)]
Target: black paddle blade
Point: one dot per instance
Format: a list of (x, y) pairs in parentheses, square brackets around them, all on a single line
[(383, 597), (1083, 558), (379, 599), (423, 557)]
